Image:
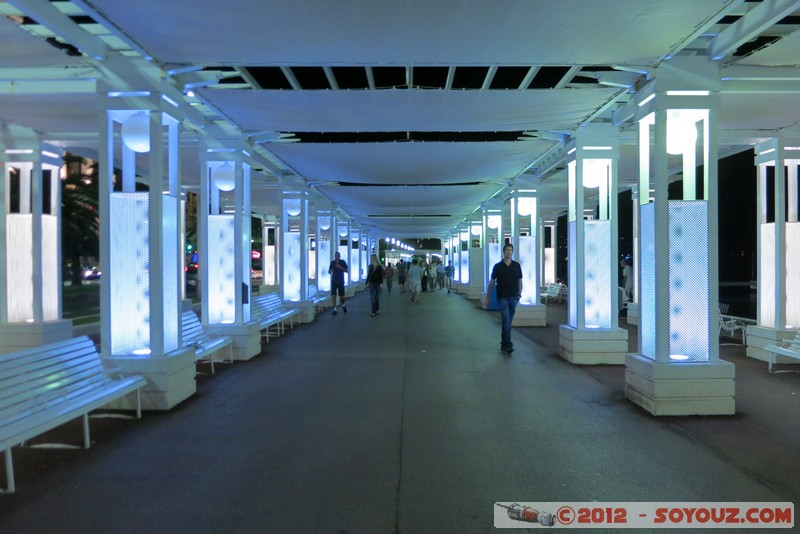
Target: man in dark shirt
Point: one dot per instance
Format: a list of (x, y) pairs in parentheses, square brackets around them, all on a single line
[(507, 276), (337, 269)]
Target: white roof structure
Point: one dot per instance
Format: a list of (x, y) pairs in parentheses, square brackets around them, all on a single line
[(406, 115)]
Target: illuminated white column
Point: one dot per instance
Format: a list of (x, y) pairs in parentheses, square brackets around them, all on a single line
[(778, 247), (549, 252), (592, 334), (326, 246), (30, 247), (524, 214), (677, 370), (632, 315), (294, 246), (140, 247)]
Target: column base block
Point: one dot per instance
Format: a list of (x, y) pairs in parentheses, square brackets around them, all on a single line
[(682, 388), (474, 292), (593, 346), (246, 340), (530, 315), (170, 379), (760, 336), (307, 312), (633, 314), (18, 336)]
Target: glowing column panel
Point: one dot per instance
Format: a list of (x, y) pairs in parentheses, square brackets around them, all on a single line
[(688, 280), (343, 250), (268, 264), (527, 258), (597, 274), (647, 279), (323, 278), (495, 255), (50, 259), (291, 266), (19, 238), (129, 272), (464, 266), (792, 275), (221, 264), (549, 266), (766, 277), (572, 251), (170, 266)]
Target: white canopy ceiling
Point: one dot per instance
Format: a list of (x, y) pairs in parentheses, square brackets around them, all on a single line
[(517, 77)]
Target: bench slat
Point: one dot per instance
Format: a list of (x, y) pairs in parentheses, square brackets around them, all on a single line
[(44, 387)]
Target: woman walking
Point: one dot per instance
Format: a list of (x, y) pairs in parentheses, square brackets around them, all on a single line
[(375, 280)]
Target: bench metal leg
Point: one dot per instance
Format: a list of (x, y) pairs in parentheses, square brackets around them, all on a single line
[(10, 487), (86, 441)]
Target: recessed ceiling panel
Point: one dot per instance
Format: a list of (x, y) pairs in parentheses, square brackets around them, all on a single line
[(404, 110), (473, 32), (409, 163)]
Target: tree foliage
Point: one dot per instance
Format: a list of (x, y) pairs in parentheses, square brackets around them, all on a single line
[(80, 224)]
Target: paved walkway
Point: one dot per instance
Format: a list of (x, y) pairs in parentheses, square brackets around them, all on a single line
[(410, 422)]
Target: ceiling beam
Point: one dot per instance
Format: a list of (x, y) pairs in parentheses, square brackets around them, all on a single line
[(753, 23), (43, 12)]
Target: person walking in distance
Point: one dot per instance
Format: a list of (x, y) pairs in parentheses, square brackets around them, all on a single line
[(507, 277), (415, 280), (627, 278), (449, 272), (337, 269), (401, 275), (388, 276), (375, 281)]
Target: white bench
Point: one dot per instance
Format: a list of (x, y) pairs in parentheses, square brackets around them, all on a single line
[(321, 302), (44, 387), (205, 346), (551, 292), (268, 311), (789, 348)]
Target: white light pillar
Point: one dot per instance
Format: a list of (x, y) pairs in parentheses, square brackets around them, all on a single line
[(326, 246), (140, 248), (778, 247), (592, 335), (632, 315), (225, 249), (524, 215), (677, 370), (30, 247), (476, 241)]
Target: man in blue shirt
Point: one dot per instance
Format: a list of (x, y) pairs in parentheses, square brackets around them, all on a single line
[(337, 269), (507, 276)]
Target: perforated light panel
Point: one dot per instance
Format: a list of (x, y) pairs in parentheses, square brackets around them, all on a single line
[(170, 271), (19, 239), (464, 267), (323, 279), (50, 259), (527, 257), (688, 280), (766, 276), (572, 245), (495, 255), (221, 296), (291, 266), (549, 266), (597, 274), (343, 251), (793, 274), (129, 272), (268, 264), (647, 279)]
